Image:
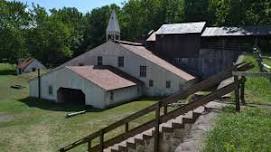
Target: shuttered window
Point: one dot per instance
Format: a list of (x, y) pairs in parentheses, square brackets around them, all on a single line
[(50, 90), (168, 84), (150, 83), (99, 60), (143, 71), (121, 61)]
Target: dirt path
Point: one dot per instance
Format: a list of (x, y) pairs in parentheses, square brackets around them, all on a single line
[(194, 141), (5, 117)]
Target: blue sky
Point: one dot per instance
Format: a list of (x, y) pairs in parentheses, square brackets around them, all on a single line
[(82, 5)]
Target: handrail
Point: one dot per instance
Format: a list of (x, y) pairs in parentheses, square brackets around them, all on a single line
[(207, 83)]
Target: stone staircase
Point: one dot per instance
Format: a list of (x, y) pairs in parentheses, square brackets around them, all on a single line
[(171, 135)]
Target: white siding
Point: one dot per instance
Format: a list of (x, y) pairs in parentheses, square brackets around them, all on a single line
[(94, 95), (122, 95), (111, 51), (35, 64)]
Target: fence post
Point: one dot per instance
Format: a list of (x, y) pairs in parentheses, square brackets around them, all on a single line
[(165, 109), (89, 145), (126, 127), (156, 132), (237, 96), (102, 140), (242, 90), (39, 84)]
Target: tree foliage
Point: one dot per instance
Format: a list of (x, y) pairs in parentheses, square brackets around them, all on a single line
[(57, 35)]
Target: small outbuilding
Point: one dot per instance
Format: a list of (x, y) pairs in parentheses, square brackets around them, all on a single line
[(98, 86), (28, 65)]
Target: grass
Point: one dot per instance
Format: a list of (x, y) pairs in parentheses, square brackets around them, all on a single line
[(258, 89), (249, 130), (28, 124)]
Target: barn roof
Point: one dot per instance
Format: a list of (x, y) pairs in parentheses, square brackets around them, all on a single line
[(148, 55), (24, 63), (182, 28), (152, 37), (237, 31), (106, 77)]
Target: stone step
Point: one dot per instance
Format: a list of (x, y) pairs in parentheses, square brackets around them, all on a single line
[(167, 127)]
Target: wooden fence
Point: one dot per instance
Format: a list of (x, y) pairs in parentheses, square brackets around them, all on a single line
[(166, 115), (239, 81)]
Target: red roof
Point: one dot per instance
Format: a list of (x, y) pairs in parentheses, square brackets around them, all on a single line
[(148, 55), (105, 77), (22, 65)]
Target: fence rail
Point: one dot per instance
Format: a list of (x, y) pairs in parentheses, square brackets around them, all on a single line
[(154, 123)]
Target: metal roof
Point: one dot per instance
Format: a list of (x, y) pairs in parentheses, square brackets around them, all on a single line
[(182, 28), (152, 37), (237, 31), (148, 55), (105, 77)]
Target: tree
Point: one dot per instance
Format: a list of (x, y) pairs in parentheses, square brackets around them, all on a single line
[(48, 39), (14, 21)]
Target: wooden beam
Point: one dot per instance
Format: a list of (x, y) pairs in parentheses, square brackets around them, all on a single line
[(172, 114), (39, 84), (242, 90), (102, 140), (237, 97), (156, 131)]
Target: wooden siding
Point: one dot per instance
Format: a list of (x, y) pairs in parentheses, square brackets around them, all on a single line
[(186, 45)]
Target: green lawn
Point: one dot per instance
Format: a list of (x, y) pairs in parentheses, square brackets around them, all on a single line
[(250, 130), (31, 125)]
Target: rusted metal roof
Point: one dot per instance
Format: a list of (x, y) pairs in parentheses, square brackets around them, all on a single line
[(148, 55), (237, 31), (23, 64), (105, 77), (182, 28)]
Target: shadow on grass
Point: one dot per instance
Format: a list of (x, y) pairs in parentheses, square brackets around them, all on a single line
[(7, 72), (72, 107), (50, 105)]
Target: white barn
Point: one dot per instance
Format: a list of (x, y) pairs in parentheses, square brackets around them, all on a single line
[(126, 72), (110, 74)]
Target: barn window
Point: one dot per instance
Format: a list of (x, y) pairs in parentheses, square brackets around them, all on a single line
[(168, 84), (111, 95), (150, 83), (143, 71), (50, 90), (99, 60), (121, 61), (33, 69)]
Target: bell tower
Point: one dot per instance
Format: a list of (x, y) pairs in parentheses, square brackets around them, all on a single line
[(113, 28)]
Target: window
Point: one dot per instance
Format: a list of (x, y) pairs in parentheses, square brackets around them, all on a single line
[(50, 90), (111, 95), (150, 83), (121, 61), (99, 60), (33, 69), (168, 84), (143, 71)]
